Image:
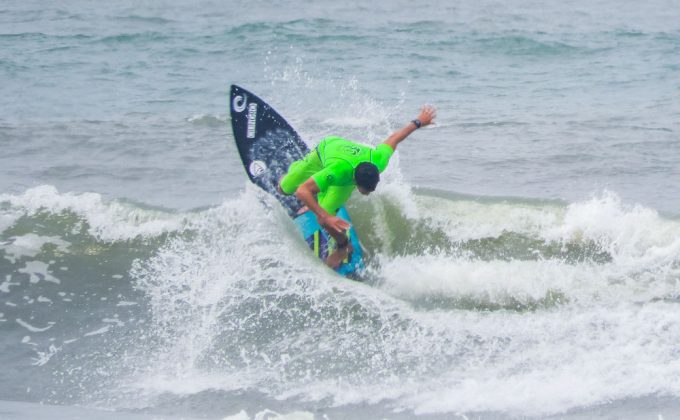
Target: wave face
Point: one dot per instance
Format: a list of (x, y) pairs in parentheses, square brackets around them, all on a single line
[(521, 307)]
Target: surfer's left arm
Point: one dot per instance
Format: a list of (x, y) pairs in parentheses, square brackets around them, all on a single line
[(426, 117)]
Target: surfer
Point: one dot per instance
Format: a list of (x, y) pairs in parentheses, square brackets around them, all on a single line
[(326, 177)]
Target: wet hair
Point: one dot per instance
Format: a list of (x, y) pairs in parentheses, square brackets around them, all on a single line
[(367, 176)]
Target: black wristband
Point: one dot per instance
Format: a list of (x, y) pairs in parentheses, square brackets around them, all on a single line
[(343, 245), (417, 123)]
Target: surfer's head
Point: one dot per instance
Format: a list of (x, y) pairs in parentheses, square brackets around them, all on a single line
[(366, 176)]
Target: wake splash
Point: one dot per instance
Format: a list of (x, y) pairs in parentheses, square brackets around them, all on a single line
[(470, 299), (494, 305)]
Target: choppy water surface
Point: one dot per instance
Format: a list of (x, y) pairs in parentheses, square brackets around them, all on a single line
[(523, 254)]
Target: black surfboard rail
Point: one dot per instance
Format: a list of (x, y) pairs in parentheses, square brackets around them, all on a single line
[(266, 143)]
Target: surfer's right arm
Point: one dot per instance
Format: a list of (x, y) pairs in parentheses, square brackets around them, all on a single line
[(426, 117), (307, 193)]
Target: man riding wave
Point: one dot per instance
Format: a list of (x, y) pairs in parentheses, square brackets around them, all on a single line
[(326, 177)]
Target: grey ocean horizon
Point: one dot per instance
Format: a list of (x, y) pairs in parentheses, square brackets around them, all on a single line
[(523, 253)]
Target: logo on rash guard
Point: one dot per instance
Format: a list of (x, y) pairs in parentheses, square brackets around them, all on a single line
[(352, 150), (257, 168), (240, 103), (252, 118)]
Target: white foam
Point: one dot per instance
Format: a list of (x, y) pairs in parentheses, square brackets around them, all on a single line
[(241, 415), (38, 270), (493, 282), (30, 245), (644, 250), (601, 356), (191, 283), (4, 287), (186, 282), (595, 344), (32, 328), (107, 221), (8, 218), (465, 219), (208, 120), (271, 415), (100, 331), (44, 356), (116, 321), (188, 383), (627, 232)]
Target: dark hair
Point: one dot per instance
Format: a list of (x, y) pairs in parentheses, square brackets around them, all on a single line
[(367, 176)]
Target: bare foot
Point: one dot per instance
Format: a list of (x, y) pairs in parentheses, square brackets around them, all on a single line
[(335, 259)]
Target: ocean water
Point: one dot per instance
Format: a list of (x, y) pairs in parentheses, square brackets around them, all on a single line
[(523, 254)]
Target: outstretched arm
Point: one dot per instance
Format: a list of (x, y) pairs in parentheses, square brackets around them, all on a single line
[(426, 117)]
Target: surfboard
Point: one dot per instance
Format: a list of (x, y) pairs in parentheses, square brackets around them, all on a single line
[(267, 145)]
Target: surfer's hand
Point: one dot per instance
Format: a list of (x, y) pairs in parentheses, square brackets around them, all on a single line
[(427, 115), (334, 224)]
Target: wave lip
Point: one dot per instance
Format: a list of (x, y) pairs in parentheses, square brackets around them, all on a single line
[(108, 221), (504, 254)]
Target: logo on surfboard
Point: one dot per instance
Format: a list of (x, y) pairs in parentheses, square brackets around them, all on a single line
[(252, 118), (257, 168), (240, 103)]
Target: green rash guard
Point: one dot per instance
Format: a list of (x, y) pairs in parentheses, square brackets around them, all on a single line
[(340, 157), (331, 164)]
